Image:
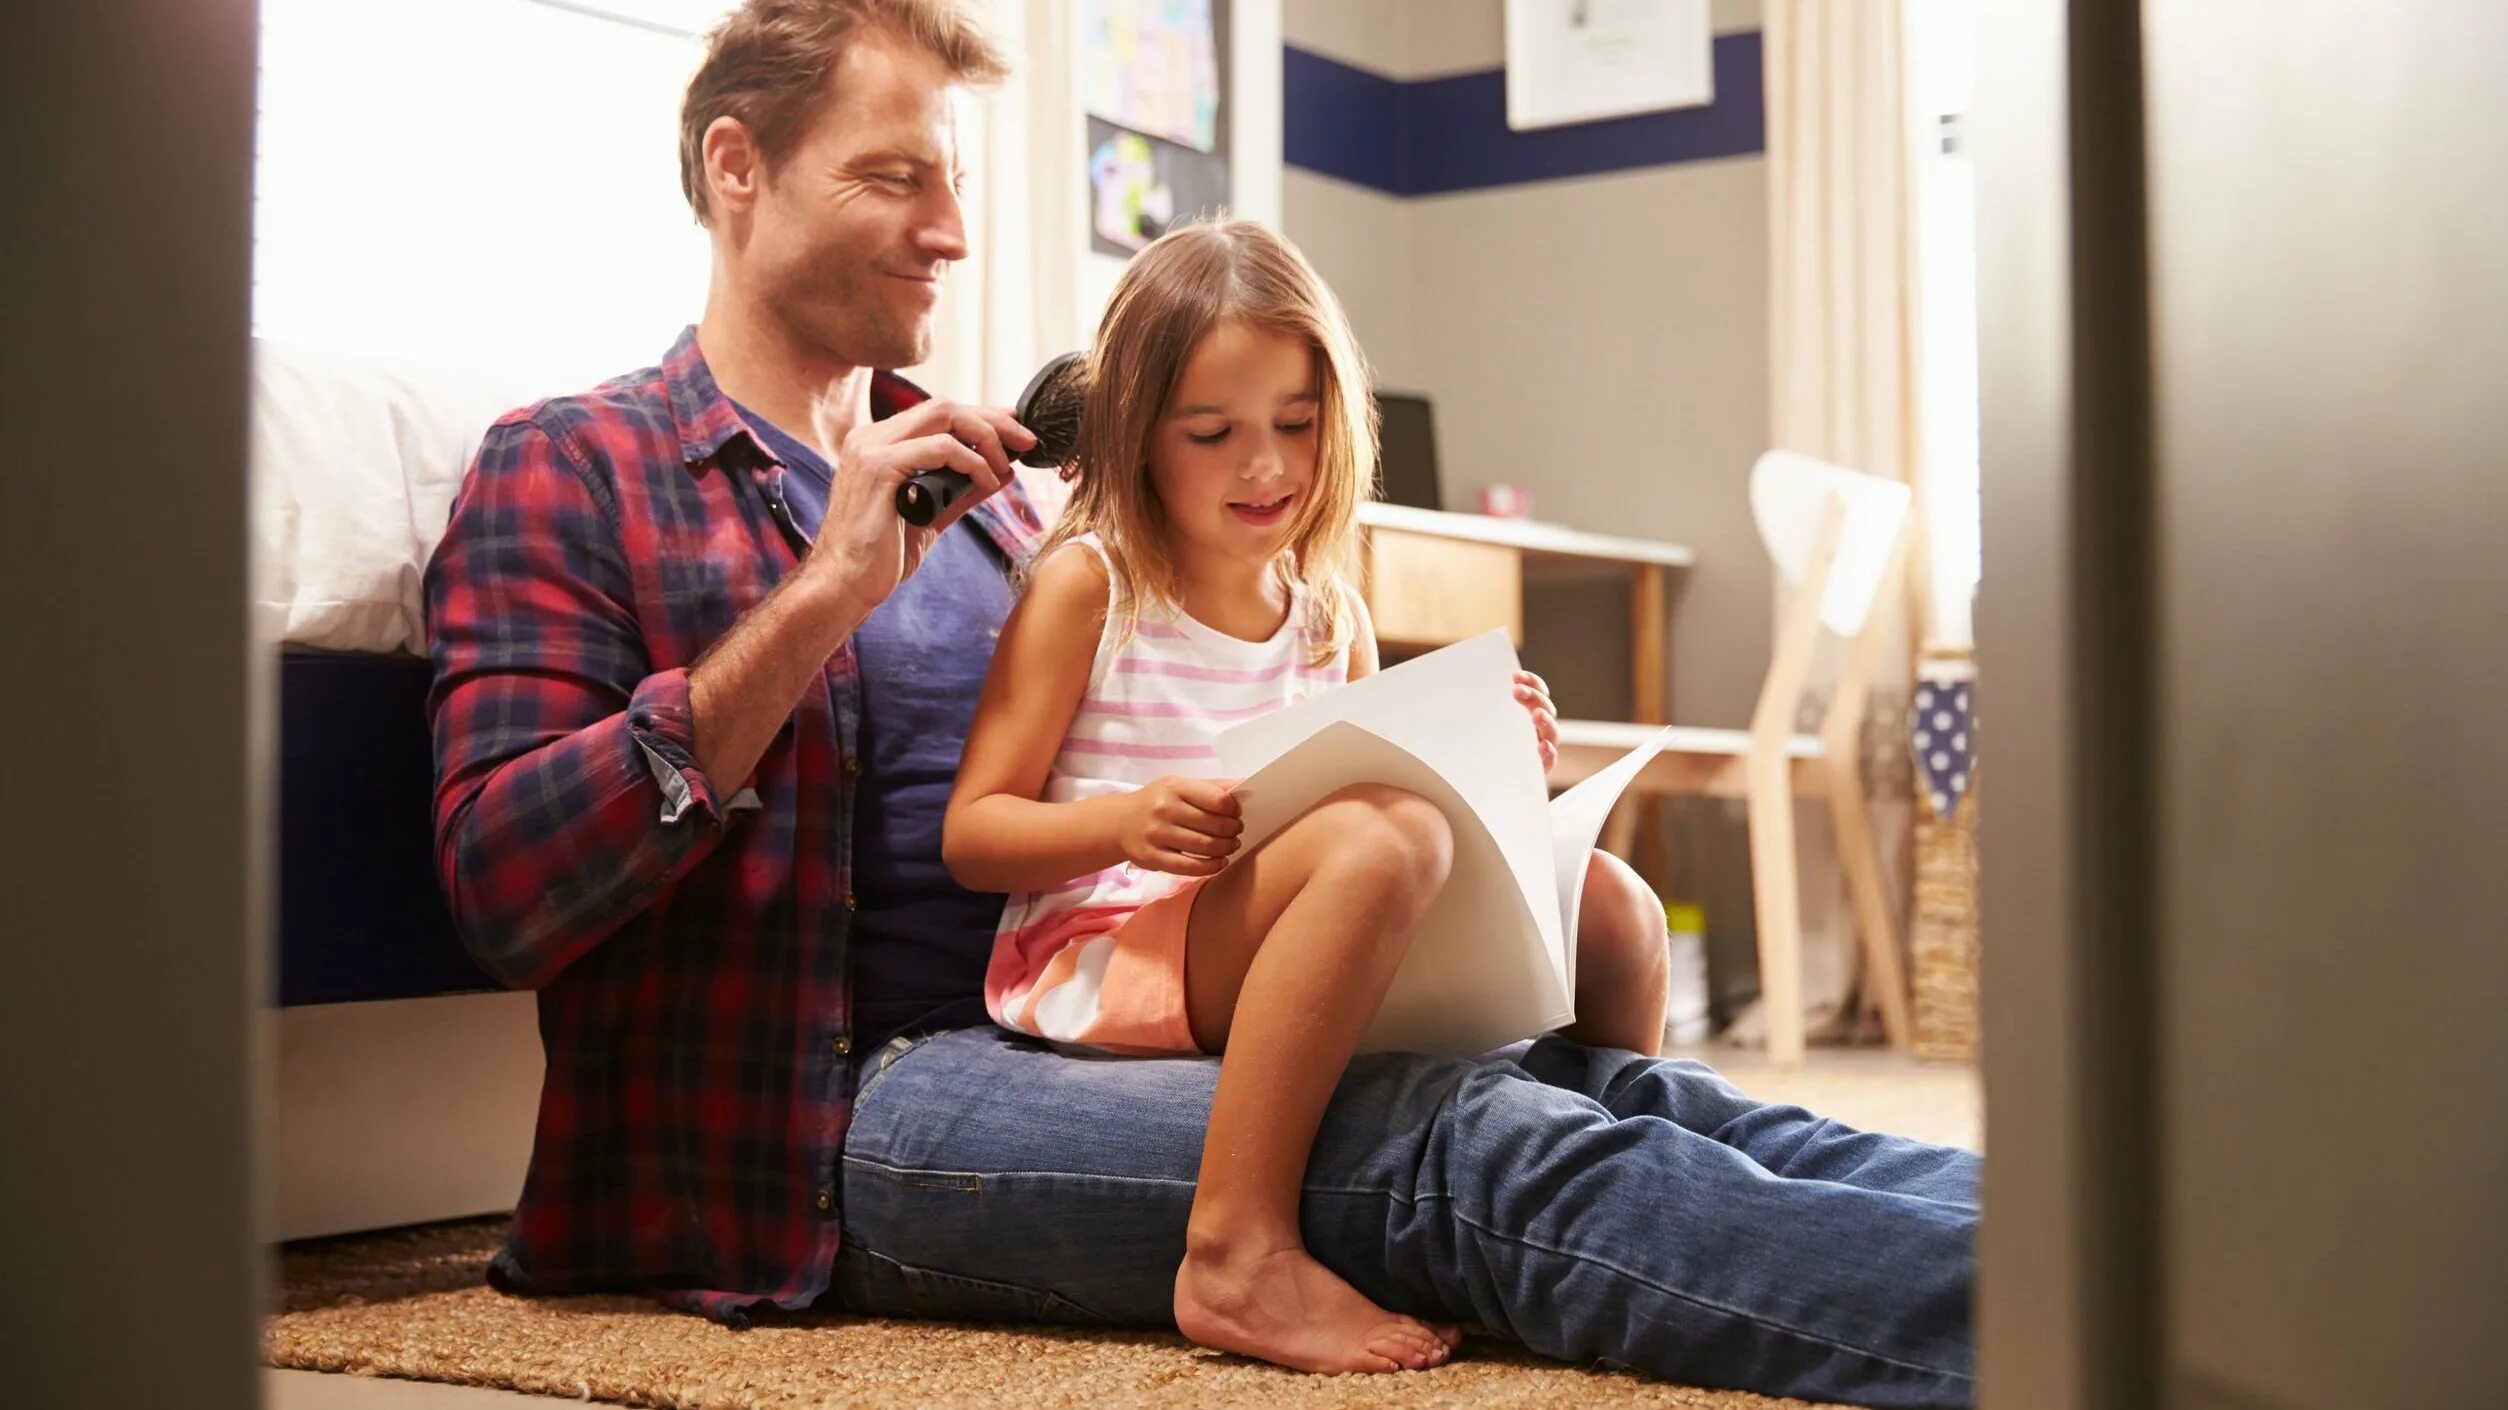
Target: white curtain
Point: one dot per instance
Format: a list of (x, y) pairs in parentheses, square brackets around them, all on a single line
[(1843, 337), (1002, 314)]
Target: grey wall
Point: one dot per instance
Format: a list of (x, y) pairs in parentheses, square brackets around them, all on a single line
[(1604, 343), (129, 798)]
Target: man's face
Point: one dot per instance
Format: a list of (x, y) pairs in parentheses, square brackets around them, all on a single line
[(852, 232)]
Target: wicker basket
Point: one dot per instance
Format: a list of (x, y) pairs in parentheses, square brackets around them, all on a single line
[(1943, 974)]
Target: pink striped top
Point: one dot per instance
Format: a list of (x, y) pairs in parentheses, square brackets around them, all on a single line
[(1154, 705)]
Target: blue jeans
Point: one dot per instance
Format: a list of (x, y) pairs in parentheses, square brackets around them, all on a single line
[(1592, 1204)]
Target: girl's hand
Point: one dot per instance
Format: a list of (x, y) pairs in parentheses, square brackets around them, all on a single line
[(1184, 826), (1533, 693)]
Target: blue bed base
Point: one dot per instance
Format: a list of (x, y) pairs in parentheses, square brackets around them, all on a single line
[(360, 915)]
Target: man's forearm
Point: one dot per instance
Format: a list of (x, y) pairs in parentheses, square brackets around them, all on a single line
[(744, 688)]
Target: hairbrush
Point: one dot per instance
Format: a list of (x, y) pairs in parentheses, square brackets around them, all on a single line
[(1050, 408)]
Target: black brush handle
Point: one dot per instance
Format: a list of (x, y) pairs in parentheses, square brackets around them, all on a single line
[(924, 495), (927, 494)]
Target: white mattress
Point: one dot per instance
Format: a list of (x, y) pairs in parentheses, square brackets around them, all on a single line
[(355, 460)]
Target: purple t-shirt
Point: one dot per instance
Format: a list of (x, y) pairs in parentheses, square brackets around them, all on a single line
[(920, 941)]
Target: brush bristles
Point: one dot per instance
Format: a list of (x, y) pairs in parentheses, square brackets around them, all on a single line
[(1052, 410)]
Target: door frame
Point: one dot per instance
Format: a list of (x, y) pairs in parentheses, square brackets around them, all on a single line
[(2068, 1306)]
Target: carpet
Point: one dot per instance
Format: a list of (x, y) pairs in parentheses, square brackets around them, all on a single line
[(412, 1303)]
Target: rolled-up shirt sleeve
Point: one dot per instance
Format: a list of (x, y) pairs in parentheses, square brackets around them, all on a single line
[(568, 792), (663, 726)]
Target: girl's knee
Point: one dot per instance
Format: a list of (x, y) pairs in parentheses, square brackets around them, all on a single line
[(1620, 931), (1385, 833)]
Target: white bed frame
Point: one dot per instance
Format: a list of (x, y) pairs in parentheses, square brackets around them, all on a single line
[(401, 1111)]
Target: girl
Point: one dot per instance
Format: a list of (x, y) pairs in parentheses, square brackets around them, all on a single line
[(1201, 575)]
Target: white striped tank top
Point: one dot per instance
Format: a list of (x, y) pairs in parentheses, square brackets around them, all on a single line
[(1154, 705)]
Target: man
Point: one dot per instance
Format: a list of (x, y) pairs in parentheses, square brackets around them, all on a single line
[(699, 693)]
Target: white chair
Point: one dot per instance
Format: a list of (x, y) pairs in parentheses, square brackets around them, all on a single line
[(1834, 535)]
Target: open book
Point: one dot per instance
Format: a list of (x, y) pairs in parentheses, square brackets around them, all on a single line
[(1495, 957)]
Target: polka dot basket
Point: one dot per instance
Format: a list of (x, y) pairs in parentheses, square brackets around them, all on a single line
[(1943, 968)]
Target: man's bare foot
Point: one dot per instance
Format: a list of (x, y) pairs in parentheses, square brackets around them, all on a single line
[(1284, 1307)]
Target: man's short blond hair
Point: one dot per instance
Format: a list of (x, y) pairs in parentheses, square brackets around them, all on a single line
[(767, 64)]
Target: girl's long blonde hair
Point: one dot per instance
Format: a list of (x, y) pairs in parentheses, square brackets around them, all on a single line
[(1184, 284)]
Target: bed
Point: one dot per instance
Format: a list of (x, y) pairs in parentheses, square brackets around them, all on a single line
[(405, 1083), (360, 916)]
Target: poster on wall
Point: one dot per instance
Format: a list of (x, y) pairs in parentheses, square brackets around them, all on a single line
[(1584, 60), (1155, 75), (1141, 186), (1153, 66)]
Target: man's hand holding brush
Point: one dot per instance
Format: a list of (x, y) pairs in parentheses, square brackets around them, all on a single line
[(873, 548), (1050, 407)]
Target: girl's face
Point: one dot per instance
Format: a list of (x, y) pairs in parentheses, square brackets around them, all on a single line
[(1235, 450)]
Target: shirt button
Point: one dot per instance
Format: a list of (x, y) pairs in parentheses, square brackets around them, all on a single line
[(826, 1201), (853, 767), (844, 1044), (848, 900)]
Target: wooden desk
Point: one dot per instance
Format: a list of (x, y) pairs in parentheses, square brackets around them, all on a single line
[(1434, 578)]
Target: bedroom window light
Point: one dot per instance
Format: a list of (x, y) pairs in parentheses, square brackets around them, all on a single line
[(427, 173), (684, 17), (1941, 83)]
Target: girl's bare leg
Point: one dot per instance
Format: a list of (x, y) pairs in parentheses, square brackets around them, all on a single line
[(1288, 954), (1623, 966)]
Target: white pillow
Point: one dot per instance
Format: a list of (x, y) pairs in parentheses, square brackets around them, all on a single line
[(355, 460)]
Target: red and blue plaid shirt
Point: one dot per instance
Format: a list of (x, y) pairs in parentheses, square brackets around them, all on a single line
[(687, 942)]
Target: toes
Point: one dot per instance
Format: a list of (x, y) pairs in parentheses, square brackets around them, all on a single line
[(1412, 1358), (1413, 1345), (1375, 1361), (1438, 1339)]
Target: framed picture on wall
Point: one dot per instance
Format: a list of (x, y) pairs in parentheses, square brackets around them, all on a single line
[(1141, 186), (1583, 60), (1155, 85)]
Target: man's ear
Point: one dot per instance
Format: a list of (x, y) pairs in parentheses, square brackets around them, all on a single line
[(734, 168)]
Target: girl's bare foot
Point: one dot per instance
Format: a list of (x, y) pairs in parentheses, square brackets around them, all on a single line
[(1281, 1305)]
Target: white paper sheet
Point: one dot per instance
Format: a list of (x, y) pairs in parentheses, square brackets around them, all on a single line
[(1494, 958), (1478, 973), (1576, 821), (1455, 710)]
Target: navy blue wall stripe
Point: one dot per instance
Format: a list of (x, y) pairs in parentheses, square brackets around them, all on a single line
[(1450, 134), (1340, 121)]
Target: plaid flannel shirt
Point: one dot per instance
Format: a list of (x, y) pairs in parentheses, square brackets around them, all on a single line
[(687, 939)]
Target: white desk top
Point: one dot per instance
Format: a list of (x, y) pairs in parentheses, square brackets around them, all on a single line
[(1528, 535)]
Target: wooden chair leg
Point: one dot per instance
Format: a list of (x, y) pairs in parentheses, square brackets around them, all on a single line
[(1860, 857), (1774, 877), (1774, 868)]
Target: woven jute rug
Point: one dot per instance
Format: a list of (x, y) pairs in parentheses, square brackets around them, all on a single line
[(413, 1303)]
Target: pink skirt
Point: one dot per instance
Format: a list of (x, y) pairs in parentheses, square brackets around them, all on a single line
[(1119, 990)]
